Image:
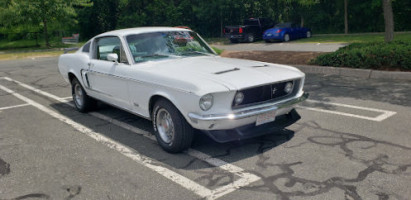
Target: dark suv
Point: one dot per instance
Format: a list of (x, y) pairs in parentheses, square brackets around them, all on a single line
[(252, 30)]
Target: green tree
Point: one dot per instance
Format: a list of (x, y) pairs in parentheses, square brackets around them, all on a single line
[(40, 13)]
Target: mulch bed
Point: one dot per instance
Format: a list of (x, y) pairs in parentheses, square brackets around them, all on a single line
[(281, 57)]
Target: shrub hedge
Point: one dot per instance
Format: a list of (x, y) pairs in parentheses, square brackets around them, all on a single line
[(377, 55)]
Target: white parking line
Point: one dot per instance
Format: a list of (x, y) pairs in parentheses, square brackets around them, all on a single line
[(16, 106), (384, 113), (245, 177), (66, 98), (34, 89), (127, 151)]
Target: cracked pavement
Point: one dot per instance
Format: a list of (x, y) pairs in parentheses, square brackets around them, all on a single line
[(322, 156)]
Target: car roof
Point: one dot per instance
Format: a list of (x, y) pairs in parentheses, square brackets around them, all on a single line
[(124, 32)]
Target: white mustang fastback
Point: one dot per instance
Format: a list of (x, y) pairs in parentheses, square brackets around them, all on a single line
[(173, 78)]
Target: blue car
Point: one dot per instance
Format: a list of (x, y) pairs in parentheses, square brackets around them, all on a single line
[(286, 32)]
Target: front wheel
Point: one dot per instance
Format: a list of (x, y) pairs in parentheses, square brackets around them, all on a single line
[(172, 131), (233, 40), (82, 101)]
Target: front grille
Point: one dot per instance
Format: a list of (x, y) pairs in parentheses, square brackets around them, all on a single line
[(266, 93)]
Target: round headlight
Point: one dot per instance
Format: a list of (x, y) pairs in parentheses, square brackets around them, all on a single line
[(206, 102), (288, 87), (239, 97)]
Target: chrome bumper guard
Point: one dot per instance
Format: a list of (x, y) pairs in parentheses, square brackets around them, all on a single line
[(249, 111)]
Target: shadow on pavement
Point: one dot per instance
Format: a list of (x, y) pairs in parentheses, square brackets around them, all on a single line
[(150, 148)]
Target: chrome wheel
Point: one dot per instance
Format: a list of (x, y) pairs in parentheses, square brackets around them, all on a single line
[(286, 38), (308, 34), (78, 95), (250, 38), (165, 126)]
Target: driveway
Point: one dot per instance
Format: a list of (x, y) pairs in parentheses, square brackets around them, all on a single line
[(312, 47), (353, 142)]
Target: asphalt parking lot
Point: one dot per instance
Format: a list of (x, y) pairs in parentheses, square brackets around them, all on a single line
[(353, 142)]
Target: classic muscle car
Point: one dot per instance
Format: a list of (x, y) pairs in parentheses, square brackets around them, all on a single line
[(173, 78)]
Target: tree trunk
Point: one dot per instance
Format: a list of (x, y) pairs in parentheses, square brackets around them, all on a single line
[(302, 21), (346, 16), (221, 22), (46, 35), (389, 20)]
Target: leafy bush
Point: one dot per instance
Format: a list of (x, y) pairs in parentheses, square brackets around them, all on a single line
[(376, 55)]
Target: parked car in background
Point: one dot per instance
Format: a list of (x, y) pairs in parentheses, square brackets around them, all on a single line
[(252, 30), (173, 78), (286, 32)]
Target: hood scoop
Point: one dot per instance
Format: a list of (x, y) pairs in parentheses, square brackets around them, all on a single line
[(260, 66), (226, 71)]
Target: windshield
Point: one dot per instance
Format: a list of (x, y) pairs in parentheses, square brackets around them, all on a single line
[(283, 25), (158, 45), (251, 22)]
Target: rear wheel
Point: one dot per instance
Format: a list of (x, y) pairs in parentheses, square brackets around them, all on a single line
[(286, 37), (308, 34), (172, 131), (250, 38), (82, 101)]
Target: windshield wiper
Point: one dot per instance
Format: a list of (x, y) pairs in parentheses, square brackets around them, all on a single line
[(196, 52), (154, 55)]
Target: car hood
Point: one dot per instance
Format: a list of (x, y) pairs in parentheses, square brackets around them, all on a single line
[(215, 71)]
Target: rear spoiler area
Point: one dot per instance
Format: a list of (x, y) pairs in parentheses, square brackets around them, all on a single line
[(66, 50)]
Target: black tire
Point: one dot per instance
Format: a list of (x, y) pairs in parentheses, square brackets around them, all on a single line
[(250, 38), (233, 40), (82, 101), (286, 37), (182, 133)]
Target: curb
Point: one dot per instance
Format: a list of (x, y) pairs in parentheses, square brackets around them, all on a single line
[(359, 73)]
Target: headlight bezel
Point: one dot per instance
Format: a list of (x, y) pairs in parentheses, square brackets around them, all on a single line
[(289, 86), (206, 102), (238, 95)]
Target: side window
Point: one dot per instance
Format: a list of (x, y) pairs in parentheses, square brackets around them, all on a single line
[(107, 45), (86, 48)]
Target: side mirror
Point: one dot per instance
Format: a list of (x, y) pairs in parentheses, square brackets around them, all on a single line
[(112, 57)]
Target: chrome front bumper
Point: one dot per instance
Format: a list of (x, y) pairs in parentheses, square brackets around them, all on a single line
[(244, 116)]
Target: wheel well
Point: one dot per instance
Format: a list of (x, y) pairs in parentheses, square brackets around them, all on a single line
[(71, 76), (153, 100)]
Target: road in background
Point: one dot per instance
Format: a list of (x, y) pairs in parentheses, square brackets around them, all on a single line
[(353, 142)]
